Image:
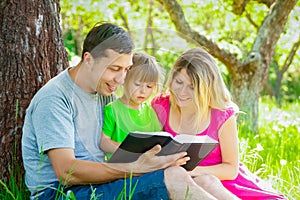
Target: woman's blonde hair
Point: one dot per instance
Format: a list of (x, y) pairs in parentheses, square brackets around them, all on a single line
[(210, 90), (145, 69)]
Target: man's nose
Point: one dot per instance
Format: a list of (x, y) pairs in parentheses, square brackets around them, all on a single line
[(121, 77)]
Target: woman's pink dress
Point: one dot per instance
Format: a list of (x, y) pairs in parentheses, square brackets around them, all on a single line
[(246, 185)]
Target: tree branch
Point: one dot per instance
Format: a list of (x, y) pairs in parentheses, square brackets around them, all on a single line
[(239, 6), (124, 19), (271, 28), (291, 56), (266, 2), (248, 16), (185, 31)]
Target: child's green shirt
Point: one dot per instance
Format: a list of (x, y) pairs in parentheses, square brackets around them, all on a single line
[(119, 120)]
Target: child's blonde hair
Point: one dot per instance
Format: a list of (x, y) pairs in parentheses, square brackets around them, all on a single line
[(210, 90), (145, 69)]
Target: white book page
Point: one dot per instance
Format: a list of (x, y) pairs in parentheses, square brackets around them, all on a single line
[(161, 133), (185, 138)]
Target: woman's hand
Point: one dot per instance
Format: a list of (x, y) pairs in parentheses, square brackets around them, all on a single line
[(182, 161), (196, 172)]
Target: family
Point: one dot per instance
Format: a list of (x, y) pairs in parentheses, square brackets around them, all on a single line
[(75, 122)]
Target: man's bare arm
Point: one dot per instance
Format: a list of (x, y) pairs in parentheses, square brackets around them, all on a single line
[(73, 171)]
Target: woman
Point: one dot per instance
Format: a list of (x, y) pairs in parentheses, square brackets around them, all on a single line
[(196, 101)]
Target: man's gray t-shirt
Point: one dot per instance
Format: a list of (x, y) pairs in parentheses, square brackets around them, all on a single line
[(61, 115)]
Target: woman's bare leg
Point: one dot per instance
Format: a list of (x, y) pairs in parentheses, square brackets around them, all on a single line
[(181, 186), (213, 185)]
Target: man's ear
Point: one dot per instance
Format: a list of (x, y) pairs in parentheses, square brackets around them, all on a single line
[(87, 58)]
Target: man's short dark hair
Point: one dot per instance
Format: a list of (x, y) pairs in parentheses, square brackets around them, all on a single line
[(105, 36)]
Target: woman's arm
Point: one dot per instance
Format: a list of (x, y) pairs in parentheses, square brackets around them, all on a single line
[(228, 169), (107, 144)]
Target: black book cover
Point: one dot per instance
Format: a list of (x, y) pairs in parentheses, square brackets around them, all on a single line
[(136, 143)]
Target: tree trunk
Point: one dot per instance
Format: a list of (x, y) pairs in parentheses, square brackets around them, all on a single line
[(149, 32), (246, 85), (32, 52), (247, 76)]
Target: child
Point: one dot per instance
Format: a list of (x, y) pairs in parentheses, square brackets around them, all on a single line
[(131, 112)]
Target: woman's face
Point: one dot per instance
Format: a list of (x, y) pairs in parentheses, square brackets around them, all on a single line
[(182, 88)]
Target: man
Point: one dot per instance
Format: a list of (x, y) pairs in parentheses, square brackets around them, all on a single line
[(60, 143)]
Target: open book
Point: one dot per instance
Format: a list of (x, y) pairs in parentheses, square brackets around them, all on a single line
[(136, 143)]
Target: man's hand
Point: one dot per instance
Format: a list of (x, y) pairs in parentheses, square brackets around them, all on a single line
[(149, 162)]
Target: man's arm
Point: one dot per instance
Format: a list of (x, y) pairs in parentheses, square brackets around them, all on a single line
[(73, 171)]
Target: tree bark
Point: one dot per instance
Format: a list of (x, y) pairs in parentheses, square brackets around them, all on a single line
[(247, 76), (149, 32), (239, 6), (32, 52)]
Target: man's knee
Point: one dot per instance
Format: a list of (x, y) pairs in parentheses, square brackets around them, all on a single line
[(207, 180), (177, 181), (177, 174)]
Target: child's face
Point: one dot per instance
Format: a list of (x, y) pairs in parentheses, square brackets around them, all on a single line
[(138, 92)]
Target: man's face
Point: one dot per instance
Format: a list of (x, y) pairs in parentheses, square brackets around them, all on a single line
[(110, 71)]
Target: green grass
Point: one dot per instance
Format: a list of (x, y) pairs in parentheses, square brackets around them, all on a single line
[(273, 154), (13, 189)]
